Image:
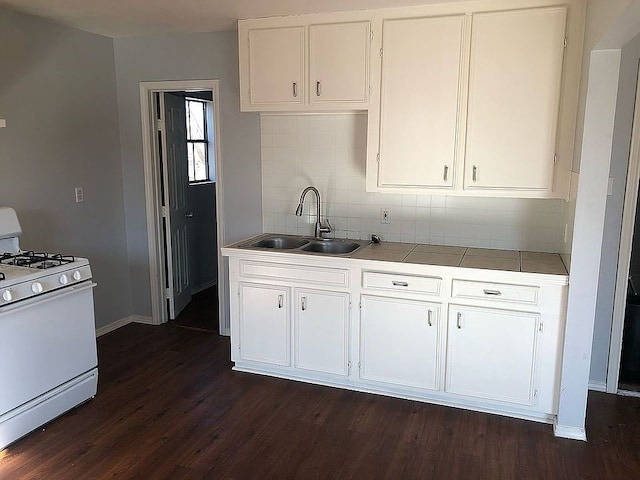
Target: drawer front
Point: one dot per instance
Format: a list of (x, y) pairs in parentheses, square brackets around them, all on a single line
[(499, 292), (297, 273), (401, 283)]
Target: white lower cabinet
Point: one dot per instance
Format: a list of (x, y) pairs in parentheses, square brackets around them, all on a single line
[(321, 326), (264, 324), (399, 342), (491, 354)]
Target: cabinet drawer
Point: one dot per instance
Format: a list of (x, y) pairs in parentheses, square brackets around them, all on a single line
[(299, 273), (499, 292), (401, 283)]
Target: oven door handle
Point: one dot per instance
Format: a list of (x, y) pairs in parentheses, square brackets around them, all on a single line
[(46, 298)]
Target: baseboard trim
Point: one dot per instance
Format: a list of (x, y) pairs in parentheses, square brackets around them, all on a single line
[(598, 386), (571, 433), (114, 326), (203, 287), (142, 319)]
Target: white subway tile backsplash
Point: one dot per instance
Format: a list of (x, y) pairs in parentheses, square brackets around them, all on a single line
[(328, 151)]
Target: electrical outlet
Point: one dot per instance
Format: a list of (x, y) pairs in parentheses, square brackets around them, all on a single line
[(79, 194), (385, 215)]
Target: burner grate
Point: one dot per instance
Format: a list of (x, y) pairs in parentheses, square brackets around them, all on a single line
[(33, 259)]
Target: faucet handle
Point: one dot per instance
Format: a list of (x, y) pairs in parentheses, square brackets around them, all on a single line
[(325, 227)]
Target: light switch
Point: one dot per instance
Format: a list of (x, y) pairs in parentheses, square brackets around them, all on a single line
[(3, 123), (79, 194), (610, 186)]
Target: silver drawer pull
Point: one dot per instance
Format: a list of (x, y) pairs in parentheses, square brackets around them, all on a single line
[(400, 284), (318, 88), (295, 89), (429, 315), (280, 301), (495, 293), (303, 303), (458, 320), (446, 172), (475, 173)]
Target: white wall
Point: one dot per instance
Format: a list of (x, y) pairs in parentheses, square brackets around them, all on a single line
[(328, 151), (186, 57), (58, 96)]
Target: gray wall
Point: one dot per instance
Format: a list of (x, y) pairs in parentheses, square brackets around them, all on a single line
[(613, 216), (186, 57), (58, 95), (203, 256)]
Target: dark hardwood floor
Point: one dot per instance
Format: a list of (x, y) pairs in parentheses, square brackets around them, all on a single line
[(201, 313), (170, 407)]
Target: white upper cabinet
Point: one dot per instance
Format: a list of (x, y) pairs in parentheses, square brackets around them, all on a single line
[(339, 62), (420, 105), (514, 93), (303, 67), (276, 66)]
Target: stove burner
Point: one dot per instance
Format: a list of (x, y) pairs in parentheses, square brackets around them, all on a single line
[(33, 259)]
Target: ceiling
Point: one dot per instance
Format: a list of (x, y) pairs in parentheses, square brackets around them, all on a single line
[(123, 18)]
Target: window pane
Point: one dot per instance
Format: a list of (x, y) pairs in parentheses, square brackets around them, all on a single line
[(195, 120), (197, 156)]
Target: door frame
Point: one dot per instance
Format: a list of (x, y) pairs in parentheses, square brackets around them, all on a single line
[(153, 195), (624, 252)]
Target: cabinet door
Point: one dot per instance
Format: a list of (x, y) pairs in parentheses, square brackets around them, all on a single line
[(321, 331), (420, 101), (399, 342), (264, 324), (339, 62), (276, 65), (514, 93), (491, 354)]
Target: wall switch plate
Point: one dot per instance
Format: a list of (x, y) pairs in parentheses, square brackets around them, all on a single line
[(3, 123), (385, 215), (79, 194), (610, 186)]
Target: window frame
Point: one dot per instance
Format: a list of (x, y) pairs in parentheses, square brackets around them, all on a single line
[(204, 141)]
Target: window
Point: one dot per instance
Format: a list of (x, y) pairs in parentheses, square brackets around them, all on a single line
[(197, 144)]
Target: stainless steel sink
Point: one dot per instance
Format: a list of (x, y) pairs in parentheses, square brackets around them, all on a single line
[(334, 247), (281, 243)]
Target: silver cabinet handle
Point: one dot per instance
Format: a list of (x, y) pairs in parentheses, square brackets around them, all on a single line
[(458, 320), (280, 301), (446, 172), (475, 173), (303, 303), (496, 293), (188, 215), (429, 315), (318, 88), (400, 284), (295, 89)]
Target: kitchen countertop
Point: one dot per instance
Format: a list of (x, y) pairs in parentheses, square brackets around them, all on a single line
[(511, 260), (465, 257)]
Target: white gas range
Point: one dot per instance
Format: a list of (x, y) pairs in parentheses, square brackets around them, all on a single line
[(47, 334)]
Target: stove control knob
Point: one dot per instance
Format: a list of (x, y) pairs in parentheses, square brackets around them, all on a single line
[(76, 275), (36, 287), (64, 279), (7, 296)]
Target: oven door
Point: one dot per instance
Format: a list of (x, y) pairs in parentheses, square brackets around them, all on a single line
[(44, 342)]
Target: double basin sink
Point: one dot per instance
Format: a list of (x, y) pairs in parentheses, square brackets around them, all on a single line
[(309, 245)]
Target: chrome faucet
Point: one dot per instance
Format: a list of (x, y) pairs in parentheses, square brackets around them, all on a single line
[(320, 226)]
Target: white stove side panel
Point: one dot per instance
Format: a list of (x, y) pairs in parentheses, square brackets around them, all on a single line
[(45, 342)]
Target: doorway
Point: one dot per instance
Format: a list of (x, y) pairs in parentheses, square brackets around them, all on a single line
[(183, 186), (623, 375)]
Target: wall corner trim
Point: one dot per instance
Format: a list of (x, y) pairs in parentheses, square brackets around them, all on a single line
[(571, 433), (113, 326), (598, 386)]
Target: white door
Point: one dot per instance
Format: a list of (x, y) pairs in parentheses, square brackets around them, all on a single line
[(264, 324), (420, 105), (321, 331), (276, 65), (339, 62), (491, 354), (514, 95), (399, 342), (176, 183)]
